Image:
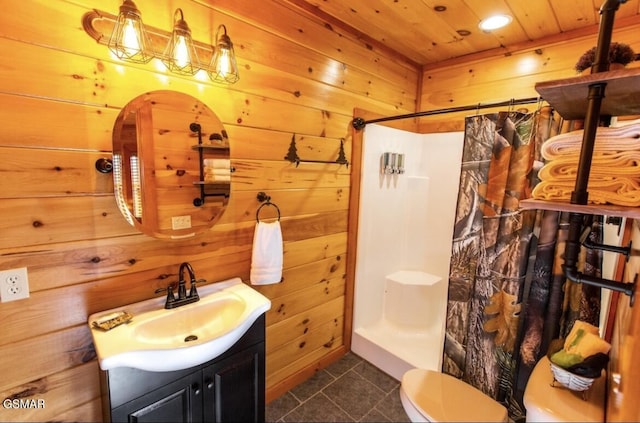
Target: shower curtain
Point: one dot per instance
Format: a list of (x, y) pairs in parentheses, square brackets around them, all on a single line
[(551, 307), (492, 256)]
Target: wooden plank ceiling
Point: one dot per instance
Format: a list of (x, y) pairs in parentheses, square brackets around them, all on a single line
[(430, 31)]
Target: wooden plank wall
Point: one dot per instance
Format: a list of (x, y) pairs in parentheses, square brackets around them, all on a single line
[(60, 93), (624, 373), (501, 75)]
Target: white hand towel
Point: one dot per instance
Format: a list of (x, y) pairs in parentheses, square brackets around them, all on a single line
[(217, 163), (266, 257)]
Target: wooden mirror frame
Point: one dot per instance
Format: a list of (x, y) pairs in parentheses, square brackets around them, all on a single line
[(159, 165)]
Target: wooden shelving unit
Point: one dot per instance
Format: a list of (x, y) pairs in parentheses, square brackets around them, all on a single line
[(597, 209), (569, 98)]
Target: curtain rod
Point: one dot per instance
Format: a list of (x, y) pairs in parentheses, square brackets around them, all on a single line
[(359, 123)]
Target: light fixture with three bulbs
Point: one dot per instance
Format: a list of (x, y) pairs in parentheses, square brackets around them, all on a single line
[(134, 42)]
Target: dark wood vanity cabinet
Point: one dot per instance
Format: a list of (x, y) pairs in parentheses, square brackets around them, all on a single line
[(229, 388), (234, 388), (177, 401)]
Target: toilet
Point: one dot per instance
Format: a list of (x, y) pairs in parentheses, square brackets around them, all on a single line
[(430, 396), (546, 403)]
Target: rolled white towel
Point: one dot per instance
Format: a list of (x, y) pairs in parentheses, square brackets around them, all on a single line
[(608, 140), (217, 178), (217, 172), (217, 163)]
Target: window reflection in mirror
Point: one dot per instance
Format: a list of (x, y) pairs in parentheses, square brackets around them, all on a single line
[(170, 181)]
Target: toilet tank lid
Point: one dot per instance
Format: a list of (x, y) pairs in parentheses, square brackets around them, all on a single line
[(441, 397), (560, 404)]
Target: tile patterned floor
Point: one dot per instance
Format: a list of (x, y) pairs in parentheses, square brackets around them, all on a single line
[(350, 390)]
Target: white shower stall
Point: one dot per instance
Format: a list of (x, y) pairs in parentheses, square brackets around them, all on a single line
[(405, 229)]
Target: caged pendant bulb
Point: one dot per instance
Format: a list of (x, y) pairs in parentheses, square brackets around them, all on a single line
[(180, 55), (129, 40), (223, 66)]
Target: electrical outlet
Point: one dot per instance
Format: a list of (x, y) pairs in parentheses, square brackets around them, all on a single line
[(181, 222), (14, 284)]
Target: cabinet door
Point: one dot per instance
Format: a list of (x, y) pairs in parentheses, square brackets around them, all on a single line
[(235, 387), (179, 401)]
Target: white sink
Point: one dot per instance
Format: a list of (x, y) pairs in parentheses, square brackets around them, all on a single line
[(161, 340)]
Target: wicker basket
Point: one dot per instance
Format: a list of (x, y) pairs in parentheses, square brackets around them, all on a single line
[(570, 380)]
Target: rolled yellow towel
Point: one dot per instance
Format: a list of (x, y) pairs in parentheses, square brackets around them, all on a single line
[(606, 166), (579, 327), (582, 342), (620, 190), (585, 340), (589, 345)]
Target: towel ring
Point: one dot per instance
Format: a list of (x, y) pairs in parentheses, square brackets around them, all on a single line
[(268, 203)]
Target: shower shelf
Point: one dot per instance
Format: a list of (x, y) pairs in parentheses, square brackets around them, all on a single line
[(569, 96), (413, 277)]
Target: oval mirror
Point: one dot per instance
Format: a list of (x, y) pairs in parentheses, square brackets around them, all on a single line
[(171, 168)]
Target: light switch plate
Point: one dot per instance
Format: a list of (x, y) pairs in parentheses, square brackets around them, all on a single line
[(181, 222)]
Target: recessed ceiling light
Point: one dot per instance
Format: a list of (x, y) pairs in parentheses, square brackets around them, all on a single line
[(494, 22)]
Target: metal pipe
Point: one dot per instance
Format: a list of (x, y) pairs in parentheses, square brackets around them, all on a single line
[(595, 96), (626, 288), (359, 123), (572, 244), (580, 194), (607, 15), (584, 239)]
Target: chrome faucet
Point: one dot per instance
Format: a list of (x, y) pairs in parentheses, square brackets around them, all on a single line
[(183, 297)]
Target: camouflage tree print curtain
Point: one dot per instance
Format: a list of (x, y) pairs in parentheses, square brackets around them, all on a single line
[(491, 255), (554, 303), (490, 246)]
